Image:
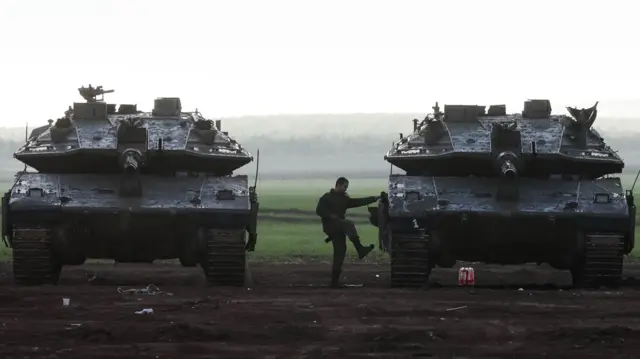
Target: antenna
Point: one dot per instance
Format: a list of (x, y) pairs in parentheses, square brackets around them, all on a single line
[(634, 181), (253, 199), (24, 170), (391, 168), (26, 139), (255, 182)]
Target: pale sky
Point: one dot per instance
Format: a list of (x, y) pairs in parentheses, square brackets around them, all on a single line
[(233, 58)]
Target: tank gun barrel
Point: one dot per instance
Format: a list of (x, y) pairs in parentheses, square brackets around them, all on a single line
[(508, 169), (506, 162), (130, 161), (130, 164)]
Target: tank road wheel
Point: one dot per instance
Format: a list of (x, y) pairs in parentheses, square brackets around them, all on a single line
[(410, 264), (225, 260), (601, 263), (33, 260)]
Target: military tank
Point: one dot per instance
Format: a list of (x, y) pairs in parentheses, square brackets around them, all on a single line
[(485, 186), (131, 186)]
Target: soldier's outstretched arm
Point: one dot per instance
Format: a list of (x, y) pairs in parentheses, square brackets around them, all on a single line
[(359, 202)]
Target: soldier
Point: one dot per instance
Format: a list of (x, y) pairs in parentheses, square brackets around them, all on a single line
[(332, 207)]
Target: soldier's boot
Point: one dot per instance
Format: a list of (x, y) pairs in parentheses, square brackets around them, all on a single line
[(335, 279), (362, 250)]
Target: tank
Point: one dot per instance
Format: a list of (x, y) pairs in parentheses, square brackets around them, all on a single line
[(131, 186), (481, 185)]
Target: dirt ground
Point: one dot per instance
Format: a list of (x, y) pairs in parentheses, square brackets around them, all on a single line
[(288, 312)]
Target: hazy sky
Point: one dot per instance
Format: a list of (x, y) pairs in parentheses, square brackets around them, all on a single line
[(232, 58)]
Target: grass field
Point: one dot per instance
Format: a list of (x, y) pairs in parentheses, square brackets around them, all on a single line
[(289, 229)]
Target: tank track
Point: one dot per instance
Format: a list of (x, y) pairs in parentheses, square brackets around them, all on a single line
[(410, 264), (33, 262), (603, 261), (226, 258)]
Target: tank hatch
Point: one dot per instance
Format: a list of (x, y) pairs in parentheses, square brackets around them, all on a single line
[(90, 111), (167, 107), (94, 108), (497, 110), (535, 109), (463, 113), (127, 109)]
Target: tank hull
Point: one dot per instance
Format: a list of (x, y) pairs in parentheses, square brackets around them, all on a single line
[(70, 218), (443, 220)]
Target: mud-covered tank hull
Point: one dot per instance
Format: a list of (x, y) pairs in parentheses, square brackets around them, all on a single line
[(56, 220), (582, 226)]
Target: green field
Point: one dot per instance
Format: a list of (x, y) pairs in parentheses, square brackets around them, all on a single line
[(288, 228)]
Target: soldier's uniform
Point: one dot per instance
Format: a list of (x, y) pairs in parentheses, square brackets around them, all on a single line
[(332, 208)]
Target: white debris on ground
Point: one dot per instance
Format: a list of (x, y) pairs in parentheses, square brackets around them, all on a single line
[(151, 289), (456, 308), (145, 311)]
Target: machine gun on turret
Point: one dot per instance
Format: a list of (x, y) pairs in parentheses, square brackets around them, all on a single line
[(90, 93)]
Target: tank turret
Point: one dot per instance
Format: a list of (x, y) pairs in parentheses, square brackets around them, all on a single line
[(466, 139), (88, 137)]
